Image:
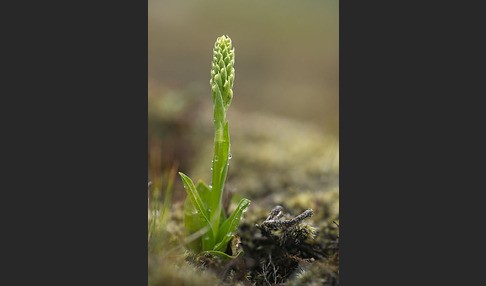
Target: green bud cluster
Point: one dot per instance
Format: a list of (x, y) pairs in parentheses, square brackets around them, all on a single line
[(223, 71)]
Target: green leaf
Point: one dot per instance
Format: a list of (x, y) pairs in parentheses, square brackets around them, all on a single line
[(218, 158), (194, 196), (222, 217), (224, 156), (205, 193), (192, 223), (228, 228), (208, 238), (220, 170)]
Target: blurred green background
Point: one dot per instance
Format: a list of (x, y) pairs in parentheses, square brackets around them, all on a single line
[(287, 57)]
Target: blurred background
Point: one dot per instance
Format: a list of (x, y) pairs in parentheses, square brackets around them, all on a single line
[(287, 65)]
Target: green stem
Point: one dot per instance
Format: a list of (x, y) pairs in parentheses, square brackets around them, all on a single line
[(220, 169)]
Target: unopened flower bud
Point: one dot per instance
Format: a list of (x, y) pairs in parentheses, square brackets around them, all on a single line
[(223, 72)]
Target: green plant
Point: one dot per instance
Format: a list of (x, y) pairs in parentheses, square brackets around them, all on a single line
[(203, 212)]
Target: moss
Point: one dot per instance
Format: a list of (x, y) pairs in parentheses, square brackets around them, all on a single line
[(317, 273), (178, 272)]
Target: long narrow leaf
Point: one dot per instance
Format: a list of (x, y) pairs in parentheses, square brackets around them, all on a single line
[(208, 240), (219, 160), (204, 192), (222, 217), (230, 225), (192, 223), (194, 196), (224, 156)]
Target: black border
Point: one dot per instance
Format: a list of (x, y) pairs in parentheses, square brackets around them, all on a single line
[(408, 125), (77, 154)]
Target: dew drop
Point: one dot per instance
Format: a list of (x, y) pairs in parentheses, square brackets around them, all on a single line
[(246, 208), (210, 186), (216, 158), (230, 156), (195, 212)]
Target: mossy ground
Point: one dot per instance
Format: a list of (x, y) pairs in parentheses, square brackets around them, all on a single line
[(275, 161)]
